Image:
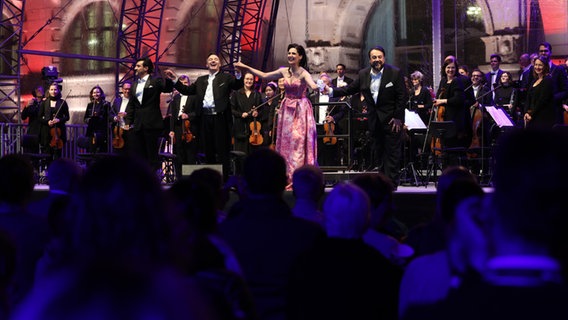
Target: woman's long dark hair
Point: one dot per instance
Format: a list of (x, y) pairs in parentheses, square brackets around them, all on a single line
[(301, 52)]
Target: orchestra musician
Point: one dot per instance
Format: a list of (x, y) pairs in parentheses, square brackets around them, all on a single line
[(53, 114), (451, 96), (119, 116), (182, 126), (97, 120)]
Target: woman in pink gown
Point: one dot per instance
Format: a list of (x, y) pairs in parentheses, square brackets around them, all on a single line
[(296, 137)]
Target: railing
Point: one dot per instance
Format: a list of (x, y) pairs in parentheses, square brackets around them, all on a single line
[(11, 138)]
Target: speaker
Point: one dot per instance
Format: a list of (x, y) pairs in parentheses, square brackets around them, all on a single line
[(187, 169)]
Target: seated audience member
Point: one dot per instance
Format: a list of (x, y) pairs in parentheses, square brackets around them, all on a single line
[(379, 190), (63, 175), (521, 230), (115, 215), (429, 278), (430, 237), (213, 179), (342, 277), (114, 292), (115, 227), (27, 233), (308, 188), (201, 253), (264, 235)]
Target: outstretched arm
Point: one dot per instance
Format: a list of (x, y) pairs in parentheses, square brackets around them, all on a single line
[(311, 83), (272, 75)]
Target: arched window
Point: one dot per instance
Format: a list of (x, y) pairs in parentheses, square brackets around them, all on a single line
[(92, 32)]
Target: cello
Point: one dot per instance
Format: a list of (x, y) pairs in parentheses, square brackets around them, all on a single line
[(475, 126), (440, 113)]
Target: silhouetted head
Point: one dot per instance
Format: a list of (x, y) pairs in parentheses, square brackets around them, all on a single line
[(265, 172), (17, 179), (346, 212), (308, 183)]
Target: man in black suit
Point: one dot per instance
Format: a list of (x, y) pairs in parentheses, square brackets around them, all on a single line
[(492, 77), (341, 80), (212, 102), (382, 85), (143, 113), (559, 81), (180, 110), (525, 79)]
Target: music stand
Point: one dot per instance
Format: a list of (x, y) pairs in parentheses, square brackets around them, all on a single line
[(414, 124), (439, 130)]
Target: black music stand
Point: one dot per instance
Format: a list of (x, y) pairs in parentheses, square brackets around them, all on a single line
[(438, 130), (409, 174)]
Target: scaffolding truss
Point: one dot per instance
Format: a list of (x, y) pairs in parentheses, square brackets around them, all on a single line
[(11, 43)]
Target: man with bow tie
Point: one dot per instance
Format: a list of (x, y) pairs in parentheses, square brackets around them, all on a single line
[(143, 114), (492, 77), (382, 85)]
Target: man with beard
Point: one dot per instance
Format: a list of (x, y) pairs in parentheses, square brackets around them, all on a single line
[(382, 85)]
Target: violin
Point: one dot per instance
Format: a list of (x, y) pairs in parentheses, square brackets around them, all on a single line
[(255, 137), (55, 132), (56, 142), (329, 128), (118, 139), (187, 136)]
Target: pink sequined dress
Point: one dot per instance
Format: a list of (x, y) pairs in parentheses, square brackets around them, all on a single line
[(296, 137)]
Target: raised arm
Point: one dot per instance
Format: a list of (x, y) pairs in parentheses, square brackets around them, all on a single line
[(272, 75), (309, 80)]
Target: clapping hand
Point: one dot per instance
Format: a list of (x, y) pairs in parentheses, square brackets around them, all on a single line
[(170, 74)]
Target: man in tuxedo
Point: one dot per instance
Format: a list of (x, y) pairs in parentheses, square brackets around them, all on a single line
[(143, 113), (332, 115), (212, 103), (382, 85), (559, 81), (341, 80), (525, 79), (492, 77), (180, 110), (119, 106)]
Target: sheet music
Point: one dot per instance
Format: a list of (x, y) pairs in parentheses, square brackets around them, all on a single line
[(499, 116), (412, 120)]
